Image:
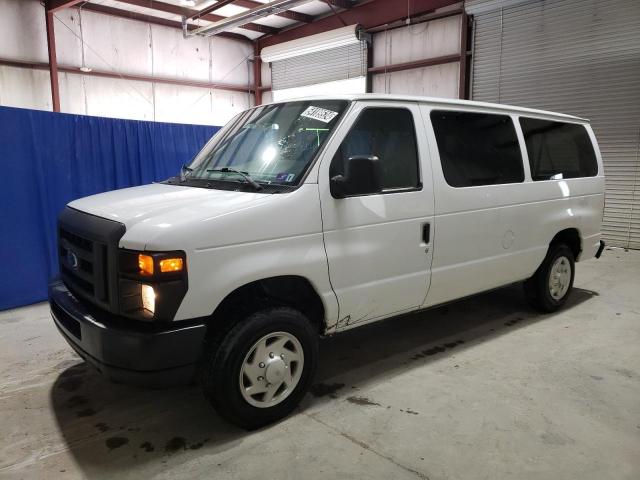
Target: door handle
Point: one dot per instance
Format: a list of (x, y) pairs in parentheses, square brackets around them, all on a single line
[(426, 233)]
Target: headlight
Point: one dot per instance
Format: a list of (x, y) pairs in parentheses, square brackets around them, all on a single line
[(148, 297), (151, 284)]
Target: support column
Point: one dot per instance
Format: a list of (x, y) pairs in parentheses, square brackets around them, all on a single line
[(257, 74), (464, 28), (53, 61)]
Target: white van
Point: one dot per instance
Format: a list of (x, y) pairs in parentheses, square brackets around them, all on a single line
[(311, 217)]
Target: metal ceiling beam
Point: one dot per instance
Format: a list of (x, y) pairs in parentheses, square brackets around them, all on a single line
[(290, 14), (55, 5), (211, 8), (242, 18), (187, 12), (369, 15), (141, 17)]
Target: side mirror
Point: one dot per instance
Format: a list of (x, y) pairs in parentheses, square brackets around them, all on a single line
[(362, 176)]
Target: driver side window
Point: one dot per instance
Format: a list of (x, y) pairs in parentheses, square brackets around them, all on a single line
[(389, 134)]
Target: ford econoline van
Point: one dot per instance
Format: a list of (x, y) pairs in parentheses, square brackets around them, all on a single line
[(310, 217)]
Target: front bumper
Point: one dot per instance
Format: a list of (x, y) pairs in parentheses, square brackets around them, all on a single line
[(125, 350)]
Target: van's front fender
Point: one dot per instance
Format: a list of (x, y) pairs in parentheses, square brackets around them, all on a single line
[(282, 237)]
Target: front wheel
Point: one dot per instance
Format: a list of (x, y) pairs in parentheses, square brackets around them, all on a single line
[(259, 371), (550, 286)]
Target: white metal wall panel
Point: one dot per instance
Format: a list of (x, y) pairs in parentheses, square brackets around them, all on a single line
[(432, 39), (22, 31), (434, 81), (421, 41), (580, 57), (126, 46), (23, 88), (341, 63)]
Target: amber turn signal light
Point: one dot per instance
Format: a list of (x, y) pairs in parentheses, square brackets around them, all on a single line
[(145, 264), (171, 265)]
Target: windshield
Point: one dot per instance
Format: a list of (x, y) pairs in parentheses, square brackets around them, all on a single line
[(274, 144)]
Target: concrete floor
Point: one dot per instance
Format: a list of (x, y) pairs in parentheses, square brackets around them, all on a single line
[(483, 388)]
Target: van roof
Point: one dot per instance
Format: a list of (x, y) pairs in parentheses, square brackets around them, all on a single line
[(442, 101)]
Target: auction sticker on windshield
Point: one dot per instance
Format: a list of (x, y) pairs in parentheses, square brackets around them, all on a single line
[(321, 114)]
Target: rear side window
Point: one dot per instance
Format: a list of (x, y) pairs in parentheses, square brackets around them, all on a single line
[(558, 150), (477, 148), (390, 135)]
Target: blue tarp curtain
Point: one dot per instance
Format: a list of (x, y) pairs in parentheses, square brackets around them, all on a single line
[(49, 159)]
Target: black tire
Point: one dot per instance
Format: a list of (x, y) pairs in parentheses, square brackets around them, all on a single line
[(537, 288), (224, 356)]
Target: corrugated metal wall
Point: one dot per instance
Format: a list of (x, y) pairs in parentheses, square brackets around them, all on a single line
[(580, 57)]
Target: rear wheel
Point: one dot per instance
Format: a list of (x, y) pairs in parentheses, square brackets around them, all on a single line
[(259, 371), (549, 288)]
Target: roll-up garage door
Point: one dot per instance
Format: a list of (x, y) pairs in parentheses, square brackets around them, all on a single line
[(329, 62), (341, 63), (580, 57)]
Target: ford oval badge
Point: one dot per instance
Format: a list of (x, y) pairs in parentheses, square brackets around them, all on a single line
[(72, 260)]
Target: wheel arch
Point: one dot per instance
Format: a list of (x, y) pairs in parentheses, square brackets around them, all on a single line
[(570, 237), (294, 291)]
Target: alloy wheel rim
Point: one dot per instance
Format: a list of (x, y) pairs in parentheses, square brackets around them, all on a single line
[(559, 278), (271, 369)]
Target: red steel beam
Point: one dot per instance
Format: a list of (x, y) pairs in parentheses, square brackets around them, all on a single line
[(187, 12), (126, 76), (369, 15), (141, 17), (257, 75), (55, 5), (53, 60), (398, 67), (7, 62), (464, 29), (169, 81)]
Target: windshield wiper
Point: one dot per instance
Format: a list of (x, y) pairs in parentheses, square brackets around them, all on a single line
[(244, 175), (183, 172)]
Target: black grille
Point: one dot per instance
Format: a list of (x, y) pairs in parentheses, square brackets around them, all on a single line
[(76, 241), (88, 256), (81, 260)]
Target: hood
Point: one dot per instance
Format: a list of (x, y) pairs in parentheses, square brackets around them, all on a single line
[(159, 205), (163, 217)]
